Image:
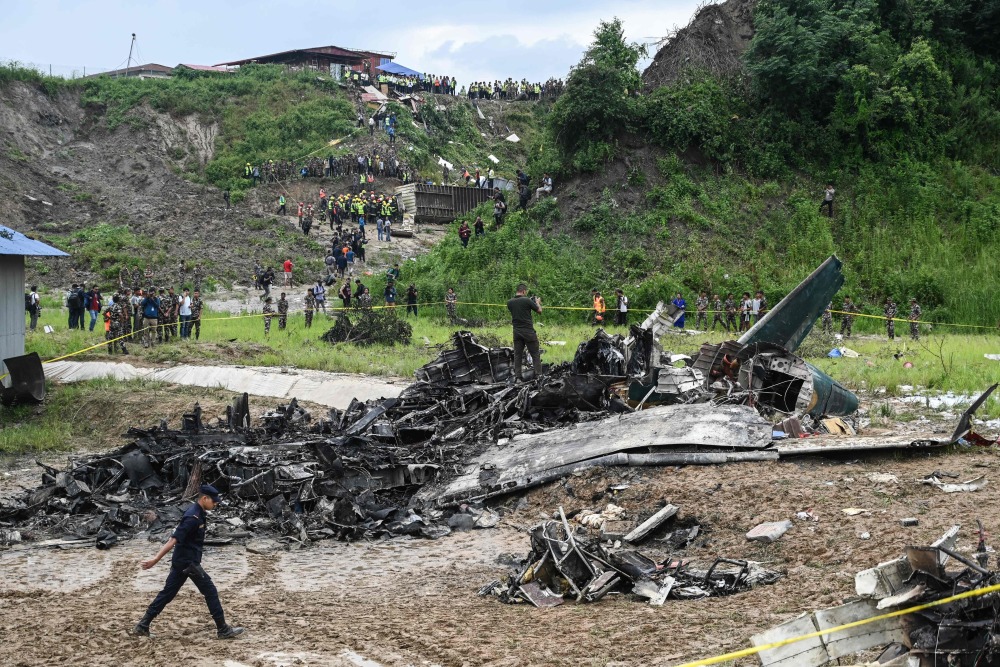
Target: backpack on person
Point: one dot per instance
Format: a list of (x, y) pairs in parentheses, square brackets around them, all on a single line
[(73, 300), (29, 303)]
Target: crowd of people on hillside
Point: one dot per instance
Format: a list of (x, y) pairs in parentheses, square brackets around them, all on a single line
[(443, 84), (365, 166)]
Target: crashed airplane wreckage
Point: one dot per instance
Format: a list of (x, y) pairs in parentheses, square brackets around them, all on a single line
[(570, 560), (462, 433), (945, 631)]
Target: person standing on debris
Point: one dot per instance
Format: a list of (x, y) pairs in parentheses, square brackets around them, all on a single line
[(681, 306), (621, 308), (847, 317), (187, 543), (521, 307), (827, 199), (890, 311), (915, 313), (701, 305)]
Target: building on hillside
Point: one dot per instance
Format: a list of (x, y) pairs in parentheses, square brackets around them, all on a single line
[(206, 68), (327, 59), (14, 247), (147, 71), (373, 60)]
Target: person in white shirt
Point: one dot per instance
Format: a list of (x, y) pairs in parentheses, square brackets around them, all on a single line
[(546, 187), (621, 313), (185, 312)]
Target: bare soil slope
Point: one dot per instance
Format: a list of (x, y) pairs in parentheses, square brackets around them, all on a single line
[(714, 40)]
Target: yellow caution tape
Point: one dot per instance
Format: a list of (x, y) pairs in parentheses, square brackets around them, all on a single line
[(908, 320), (846, 626)]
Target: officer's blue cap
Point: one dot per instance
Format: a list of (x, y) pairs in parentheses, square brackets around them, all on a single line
[(210, 491)]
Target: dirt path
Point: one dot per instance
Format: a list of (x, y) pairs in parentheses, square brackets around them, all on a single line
[(334, 390), (413, 602)]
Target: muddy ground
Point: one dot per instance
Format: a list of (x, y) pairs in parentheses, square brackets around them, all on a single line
[(414, 602)]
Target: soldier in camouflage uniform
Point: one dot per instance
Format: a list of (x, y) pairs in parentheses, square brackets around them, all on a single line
[(162, 332), (310, 307), (282, 312), (125, 300), (268, 312), (198, 275), (717, 312), (196, 307), (730, 307), (847, 318), (915, 313), (120, 317), (828, 319), (136, 278), (701, 304), (890, 311), (173, 302)]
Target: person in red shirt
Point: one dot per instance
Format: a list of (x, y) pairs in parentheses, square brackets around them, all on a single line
[(288, 266)]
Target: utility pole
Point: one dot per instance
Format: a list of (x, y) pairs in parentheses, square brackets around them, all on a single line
[(129, 62)]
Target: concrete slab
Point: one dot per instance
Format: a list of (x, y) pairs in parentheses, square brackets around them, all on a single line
[(334, 390)]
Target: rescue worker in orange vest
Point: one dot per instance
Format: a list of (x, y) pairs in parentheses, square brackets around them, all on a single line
[(599, 307)]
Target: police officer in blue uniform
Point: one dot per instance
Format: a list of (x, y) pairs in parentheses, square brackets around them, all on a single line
[(187, 542)]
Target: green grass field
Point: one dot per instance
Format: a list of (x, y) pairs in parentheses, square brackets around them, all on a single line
[(76, 415), (944, 362)]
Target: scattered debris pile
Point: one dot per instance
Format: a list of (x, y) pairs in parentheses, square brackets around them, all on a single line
[(567, 563), (962, 632), (370, 327)]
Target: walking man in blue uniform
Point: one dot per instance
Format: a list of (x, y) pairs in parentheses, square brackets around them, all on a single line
[(187, 542)]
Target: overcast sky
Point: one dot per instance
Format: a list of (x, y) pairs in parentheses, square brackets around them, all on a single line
[(472, 41)]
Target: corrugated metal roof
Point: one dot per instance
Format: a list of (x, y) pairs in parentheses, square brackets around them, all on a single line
[(206, 68), (332, 51), (16, 243)]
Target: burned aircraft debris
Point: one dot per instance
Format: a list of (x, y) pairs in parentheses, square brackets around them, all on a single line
[(567, 563), (961, 632)]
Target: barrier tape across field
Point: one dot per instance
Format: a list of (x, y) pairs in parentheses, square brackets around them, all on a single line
[(747, 652), (459, 303)]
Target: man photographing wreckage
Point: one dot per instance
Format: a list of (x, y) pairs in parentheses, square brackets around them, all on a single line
[(521, 307), (187, 542)]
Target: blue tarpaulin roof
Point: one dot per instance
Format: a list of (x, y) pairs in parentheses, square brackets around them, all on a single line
[(16, 243), (396, 68)]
